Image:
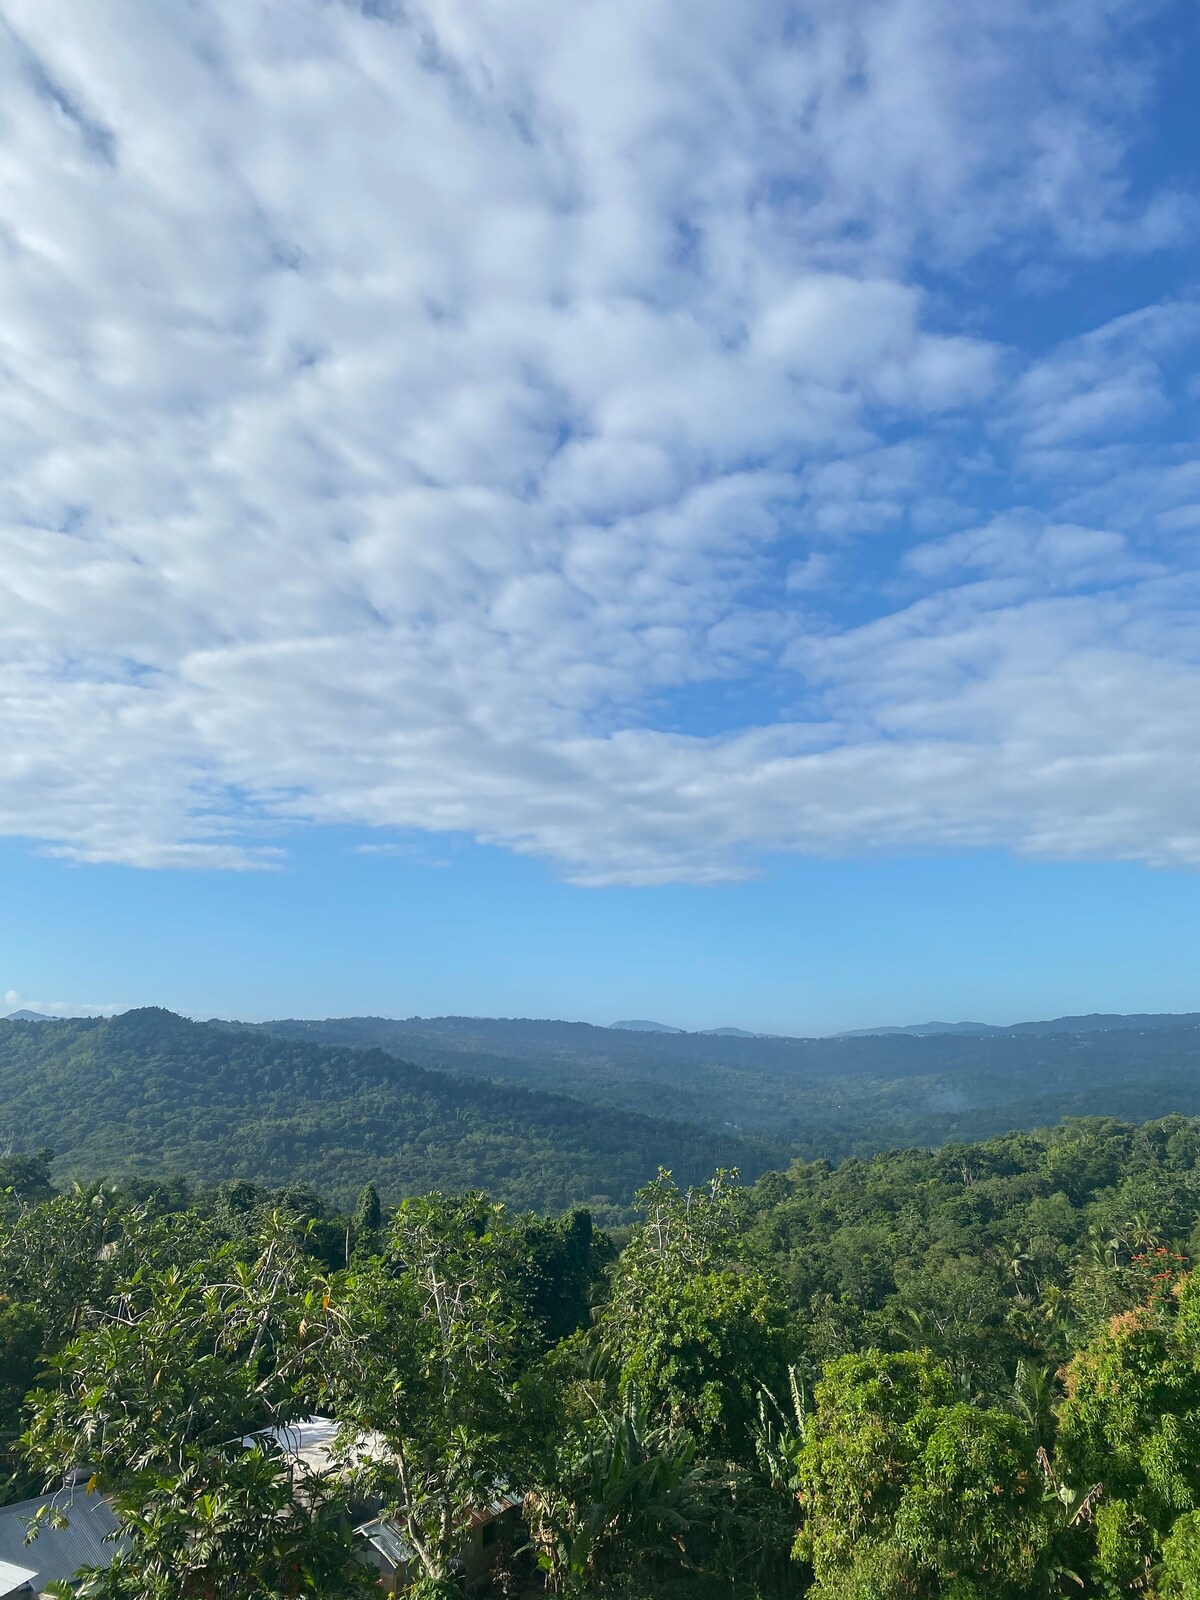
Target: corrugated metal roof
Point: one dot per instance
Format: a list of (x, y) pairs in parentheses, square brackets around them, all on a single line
[(388, 1540), (14, 1578), (58, 1553)]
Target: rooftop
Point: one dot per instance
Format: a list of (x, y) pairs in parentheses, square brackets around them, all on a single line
[(313, 1443), (89, 1540)]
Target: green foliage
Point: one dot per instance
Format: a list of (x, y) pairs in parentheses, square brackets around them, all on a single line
[(156, 1393), (564, 1269), (1180, 1576), (233, 1523), (692, 1325), (905, 1491), (23, 1337), (25, 1179), (1131, 1424), (368, 1209), (701, 1347), (623, 1494), (828, 1098)]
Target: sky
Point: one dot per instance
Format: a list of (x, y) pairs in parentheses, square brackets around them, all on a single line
[(611, 509)]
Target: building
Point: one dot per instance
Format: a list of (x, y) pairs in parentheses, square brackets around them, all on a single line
[(311, 1442), (385, 1549), (92, 1538), (493, 1528)]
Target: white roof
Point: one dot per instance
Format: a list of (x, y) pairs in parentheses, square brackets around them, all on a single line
[(312, 1441), (13, 1578)]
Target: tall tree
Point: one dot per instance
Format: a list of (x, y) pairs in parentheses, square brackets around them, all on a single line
[(430, 1360), (694, 1328), (1130, 1424)]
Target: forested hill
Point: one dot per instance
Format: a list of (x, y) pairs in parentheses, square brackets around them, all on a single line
[(827, 1097), (149, 1091)]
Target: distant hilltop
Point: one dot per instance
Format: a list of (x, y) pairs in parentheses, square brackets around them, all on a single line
[(1094, 1022), (30, 1016), (705, 1033)]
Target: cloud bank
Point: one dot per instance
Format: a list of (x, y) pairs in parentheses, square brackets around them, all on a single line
[(609, 431)]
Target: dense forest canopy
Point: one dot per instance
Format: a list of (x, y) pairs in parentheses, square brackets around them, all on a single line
[(151, 1092), (968, 1373)]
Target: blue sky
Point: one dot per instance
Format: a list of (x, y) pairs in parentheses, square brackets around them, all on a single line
[(618, 509)]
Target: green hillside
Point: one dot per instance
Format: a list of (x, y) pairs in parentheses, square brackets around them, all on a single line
[(152, 1092)]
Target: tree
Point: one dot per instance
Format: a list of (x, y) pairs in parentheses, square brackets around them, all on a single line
[(700, 1349), (237, 1521), (906, 1491), (22, 1340), (622, 1494), (57, 1256), (692, 1327), (431, 1360), (954, 1305), (25, 1179), (1131, 1424), (1180, 1573), (368, 1210), (565, 1267)]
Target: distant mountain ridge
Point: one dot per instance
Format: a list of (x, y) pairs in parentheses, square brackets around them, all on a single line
[(827, 1098), (1093, 1022), (550, 1114), (25, 1015)]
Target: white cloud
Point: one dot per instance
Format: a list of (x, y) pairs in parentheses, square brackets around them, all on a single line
[(400, 405), (15, 1001), (1108, 382)]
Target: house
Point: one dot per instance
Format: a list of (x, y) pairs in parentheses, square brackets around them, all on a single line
[(92, 1538), (312, 1443), (385, 1549), (493, 1528)]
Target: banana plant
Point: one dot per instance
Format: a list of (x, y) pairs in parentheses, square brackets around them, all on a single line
[(622, 1485)]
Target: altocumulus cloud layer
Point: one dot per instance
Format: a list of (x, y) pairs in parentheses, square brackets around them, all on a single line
[(581, 427)]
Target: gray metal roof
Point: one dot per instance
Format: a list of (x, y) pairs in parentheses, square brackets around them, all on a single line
[(59, 1553), (388, 1540)]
